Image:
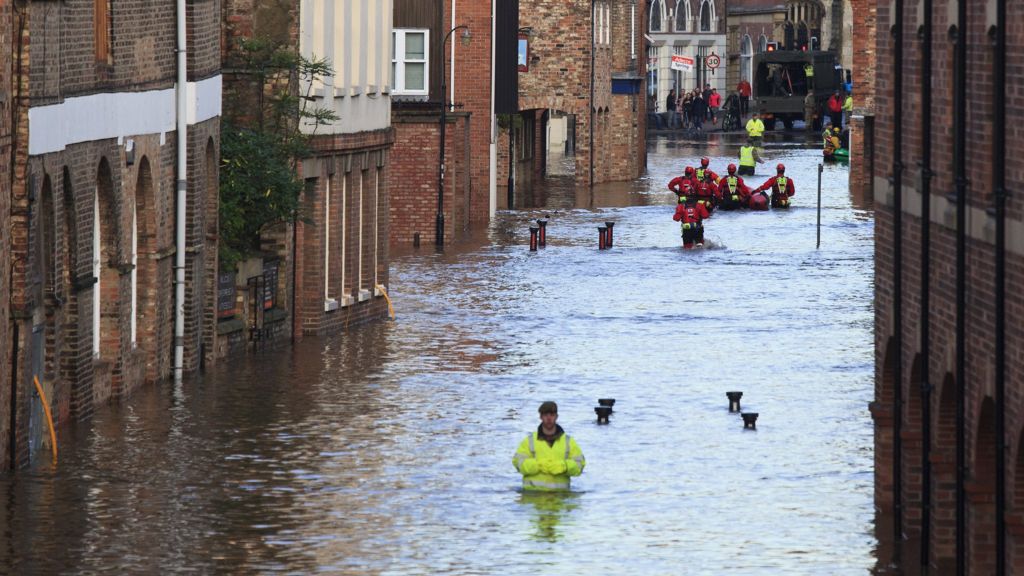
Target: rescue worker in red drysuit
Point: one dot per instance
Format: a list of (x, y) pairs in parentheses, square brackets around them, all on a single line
[(733, 193), (705, 174), (687, 182), (690, 216), (707, 185), (782, 188)]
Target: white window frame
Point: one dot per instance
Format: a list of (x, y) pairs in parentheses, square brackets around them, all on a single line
[(135, 276), (607, 24), (661, 17), (96, 273), (683, 7), (398, 62), (711, 16)]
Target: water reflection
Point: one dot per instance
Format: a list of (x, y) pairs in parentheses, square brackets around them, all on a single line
[(548, 512)]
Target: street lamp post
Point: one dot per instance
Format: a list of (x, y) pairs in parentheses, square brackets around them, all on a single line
[(439, 231)]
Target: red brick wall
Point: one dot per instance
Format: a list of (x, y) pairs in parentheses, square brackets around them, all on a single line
[(980, 324), (413, 186), (6, 328), (52, 218)]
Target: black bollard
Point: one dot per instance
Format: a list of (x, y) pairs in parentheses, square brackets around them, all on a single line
[(603, 412), (609, 402), (533, 239), (416, 240), (602, 237), (543, 238), (749, 419), (734, 401), (609, 241)]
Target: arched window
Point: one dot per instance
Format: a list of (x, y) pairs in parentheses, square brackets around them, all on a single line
[(746, 58), (683, 15), (762, 43), (707, 15), (656, 16)]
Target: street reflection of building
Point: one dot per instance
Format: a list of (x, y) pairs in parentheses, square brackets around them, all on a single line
[(109, 290), (949, 252), (690, 29)]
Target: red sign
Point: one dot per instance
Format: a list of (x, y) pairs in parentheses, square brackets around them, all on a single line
[(713, 61)]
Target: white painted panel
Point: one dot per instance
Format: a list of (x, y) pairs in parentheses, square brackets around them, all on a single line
[(117, 114)]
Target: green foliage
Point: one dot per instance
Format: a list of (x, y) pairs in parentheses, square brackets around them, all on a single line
[(259, 186)]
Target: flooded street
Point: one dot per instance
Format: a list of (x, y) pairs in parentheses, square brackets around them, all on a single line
[(388, 450)]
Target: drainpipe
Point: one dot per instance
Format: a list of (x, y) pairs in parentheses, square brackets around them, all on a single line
[(926, 226), (593, 60), (999, 148), (182, 184), (960, 149), (897, 274), (492, 176)]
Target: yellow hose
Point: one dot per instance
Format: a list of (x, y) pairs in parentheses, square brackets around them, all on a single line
[(49, 417), (391, 309)]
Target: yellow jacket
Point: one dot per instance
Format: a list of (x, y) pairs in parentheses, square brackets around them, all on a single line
[(548, 467), (755, 127)]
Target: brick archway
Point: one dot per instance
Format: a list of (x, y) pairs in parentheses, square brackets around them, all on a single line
[(944, 470), (108, 260), (146, 269), (1015, 514), (883, 414), (981, 493), (912, 446)]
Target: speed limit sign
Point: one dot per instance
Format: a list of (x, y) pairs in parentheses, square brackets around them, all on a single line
[(712, 61)]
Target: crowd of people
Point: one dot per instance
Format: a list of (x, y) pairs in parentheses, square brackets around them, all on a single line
[(700, 191), (690, 110)]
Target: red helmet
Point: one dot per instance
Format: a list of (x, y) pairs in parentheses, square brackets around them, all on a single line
[(689, 170), (704, 162), (781, 168), (731, 168)]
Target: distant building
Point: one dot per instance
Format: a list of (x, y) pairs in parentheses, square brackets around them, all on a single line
[(692, 30)]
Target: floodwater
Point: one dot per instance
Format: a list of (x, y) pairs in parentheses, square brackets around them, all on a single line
[(388, 450)]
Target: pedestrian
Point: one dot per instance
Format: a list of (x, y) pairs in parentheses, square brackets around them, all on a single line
[(680, 100), (847, 108), (744, 90), (748, 159), (809, 75), (755, 130), (781, 186), (691, 216), (732, 191), (714, 103), (835, 109), (547, 457), (670, 108), (699, 108), (706, 94)]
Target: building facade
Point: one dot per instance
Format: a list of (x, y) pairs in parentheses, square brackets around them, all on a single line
[(7, 349), (949, 401), (96, 234), (690, 29)]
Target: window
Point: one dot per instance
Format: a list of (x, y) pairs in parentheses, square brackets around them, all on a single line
[(746, 58), (707, 15), (683, 15), (101, 22), (409, 66), (656, 16), (762, 43)]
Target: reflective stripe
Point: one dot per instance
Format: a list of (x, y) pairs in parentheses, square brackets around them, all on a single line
[(548, 485), (520, 458)]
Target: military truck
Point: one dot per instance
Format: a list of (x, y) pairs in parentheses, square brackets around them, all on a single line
[(780, 84)]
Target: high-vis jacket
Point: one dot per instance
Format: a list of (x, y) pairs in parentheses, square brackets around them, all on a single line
[(548, 467), (755, 128)]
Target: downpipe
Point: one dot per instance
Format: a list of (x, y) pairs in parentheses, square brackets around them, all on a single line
[(999, 149), (593, 106), (926, 203), (897, 276), (960, 153), (182, 188)]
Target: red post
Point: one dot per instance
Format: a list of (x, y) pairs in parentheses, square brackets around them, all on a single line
[(602, 238), (533, 239)]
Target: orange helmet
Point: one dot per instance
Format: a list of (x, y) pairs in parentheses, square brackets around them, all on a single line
[(731, 168), (704, 162), (781, 168)]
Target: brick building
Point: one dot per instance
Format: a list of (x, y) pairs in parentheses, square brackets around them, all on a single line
[(331, 266), (554, 81), (93, 211), (7, 353), (949, 400), (694, 29)]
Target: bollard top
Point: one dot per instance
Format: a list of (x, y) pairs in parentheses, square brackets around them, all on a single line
[(606, 401), (602, 228), (609, 224), (734, 394), (533, 229)]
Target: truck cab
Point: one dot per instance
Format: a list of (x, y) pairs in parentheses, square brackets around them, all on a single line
[(780, 84)]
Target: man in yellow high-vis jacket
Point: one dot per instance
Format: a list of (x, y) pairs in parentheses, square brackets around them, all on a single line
[(548, 457)]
